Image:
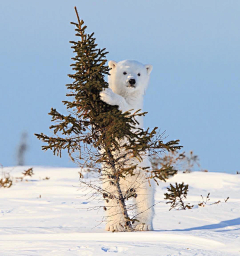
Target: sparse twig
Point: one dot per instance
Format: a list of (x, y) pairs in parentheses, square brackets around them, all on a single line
[(204, 202)]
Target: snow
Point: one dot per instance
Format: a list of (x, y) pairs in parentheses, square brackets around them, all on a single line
[(55, 217)]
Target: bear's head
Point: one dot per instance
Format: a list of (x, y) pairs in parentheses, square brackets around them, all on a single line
[(129, 77)]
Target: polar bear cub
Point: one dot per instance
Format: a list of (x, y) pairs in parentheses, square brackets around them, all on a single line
[(128, 82)]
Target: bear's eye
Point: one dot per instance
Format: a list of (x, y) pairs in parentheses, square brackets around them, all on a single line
[(124, 72), (139, 74)]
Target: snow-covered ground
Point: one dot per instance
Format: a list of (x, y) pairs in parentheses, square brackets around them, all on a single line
[(52, 217)]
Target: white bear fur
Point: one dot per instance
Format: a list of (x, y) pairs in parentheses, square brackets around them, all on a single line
[(129, 96)]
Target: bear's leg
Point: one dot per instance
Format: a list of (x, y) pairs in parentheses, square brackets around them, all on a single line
[(115, 219), (144, 206)]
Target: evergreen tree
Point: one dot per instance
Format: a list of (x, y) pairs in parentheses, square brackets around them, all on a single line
[(93, 131)]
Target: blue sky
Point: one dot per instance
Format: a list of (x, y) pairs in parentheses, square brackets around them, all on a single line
[(195, 83)]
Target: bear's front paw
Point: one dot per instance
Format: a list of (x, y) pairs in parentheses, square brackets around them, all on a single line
[(108, 96), (143, 227)]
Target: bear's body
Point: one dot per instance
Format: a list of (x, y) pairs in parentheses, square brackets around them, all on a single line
[(128, 82)]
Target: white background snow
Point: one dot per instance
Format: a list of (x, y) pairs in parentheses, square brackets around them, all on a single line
[(52, 217)]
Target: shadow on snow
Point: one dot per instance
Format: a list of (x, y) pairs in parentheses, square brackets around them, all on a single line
[(222, 224)]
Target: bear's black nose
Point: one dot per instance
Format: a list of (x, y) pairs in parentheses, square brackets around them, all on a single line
[(132, 81)]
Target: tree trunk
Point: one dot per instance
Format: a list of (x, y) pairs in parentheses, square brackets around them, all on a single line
[(119, 196)]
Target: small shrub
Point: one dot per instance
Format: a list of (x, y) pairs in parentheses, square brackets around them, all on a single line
[(6, 182), (28, 172), (176, 195)]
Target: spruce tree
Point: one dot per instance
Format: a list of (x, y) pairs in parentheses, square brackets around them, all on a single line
[(93, 132)]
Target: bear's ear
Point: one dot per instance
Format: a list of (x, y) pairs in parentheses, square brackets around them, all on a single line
[(112, 64), (149, 68)]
